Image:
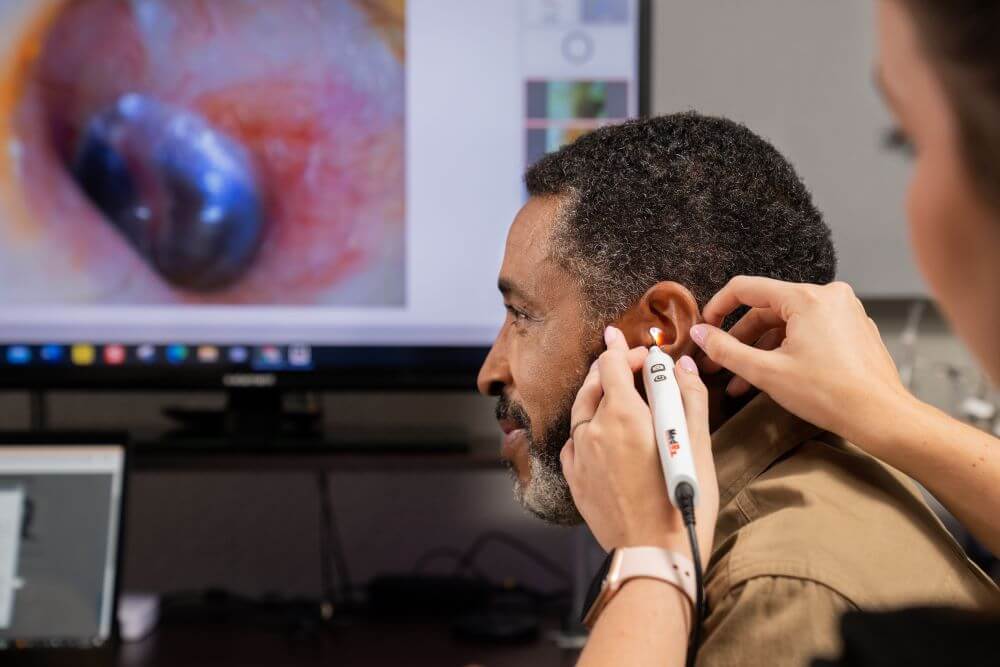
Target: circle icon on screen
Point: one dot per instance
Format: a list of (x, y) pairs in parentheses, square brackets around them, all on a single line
[(114, 355), (239, 354), (18, 355), (83, 354), (577, 47), (177, 354), (145, 353), (208, 354), (53, 354), (299, 355)]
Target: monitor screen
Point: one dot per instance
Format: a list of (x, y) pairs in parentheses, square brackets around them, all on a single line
[(60, 514), (284, 187)]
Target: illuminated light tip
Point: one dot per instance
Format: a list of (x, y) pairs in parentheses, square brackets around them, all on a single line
[(657, 335)]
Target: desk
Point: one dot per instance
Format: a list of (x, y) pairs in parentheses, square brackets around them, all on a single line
[(409, 644)]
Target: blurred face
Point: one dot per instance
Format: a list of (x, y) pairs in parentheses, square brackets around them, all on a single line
[(538, 362), (955, 234)]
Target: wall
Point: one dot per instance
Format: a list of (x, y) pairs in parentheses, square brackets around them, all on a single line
[(801, 74)]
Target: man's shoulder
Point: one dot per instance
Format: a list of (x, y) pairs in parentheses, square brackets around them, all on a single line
[(828, 513)]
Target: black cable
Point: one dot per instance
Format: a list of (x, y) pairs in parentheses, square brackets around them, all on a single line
[(332, 533), (325, 540), (699, 595), (435, 554), (685, 499), (470, 554)]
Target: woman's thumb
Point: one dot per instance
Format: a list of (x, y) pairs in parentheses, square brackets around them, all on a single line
[(694, 394)]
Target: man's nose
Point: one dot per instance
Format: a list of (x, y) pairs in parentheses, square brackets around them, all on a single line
[(495, 372)]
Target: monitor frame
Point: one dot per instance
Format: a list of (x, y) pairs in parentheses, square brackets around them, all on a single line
[(361, 368)]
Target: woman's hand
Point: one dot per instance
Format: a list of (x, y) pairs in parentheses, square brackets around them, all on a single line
[(611, 461), (812, 348), (829, 366)]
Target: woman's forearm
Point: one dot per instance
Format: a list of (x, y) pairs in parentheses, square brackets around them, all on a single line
[(957, 463), (645, 623)]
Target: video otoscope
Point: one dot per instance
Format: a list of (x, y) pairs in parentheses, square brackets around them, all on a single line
[(670, 426), (676, 459)]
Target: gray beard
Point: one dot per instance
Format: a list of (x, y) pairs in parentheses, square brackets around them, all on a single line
[(547, 495)]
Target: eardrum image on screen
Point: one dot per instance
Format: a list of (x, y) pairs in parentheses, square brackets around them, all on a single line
[(203, 152)]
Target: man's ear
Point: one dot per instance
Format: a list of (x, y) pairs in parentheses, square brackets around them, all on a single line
[(671, 308)]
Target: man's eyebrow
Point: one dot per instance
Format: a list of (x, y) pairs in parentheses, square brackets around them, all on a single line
[(509, 288)]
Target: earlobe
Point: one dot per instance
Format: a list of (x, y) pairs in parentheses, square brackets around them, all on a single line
[(668, 306)]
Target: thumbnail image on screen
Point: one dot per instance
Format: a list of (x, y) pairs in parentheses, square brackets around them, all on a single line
[(203, 152)]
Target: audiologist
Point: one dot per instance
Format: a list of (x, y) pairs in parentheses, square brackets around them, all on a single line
[(814, 351)]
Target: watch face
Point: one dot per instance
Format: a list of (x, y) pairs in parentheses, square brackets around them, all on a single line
[(596, 583)]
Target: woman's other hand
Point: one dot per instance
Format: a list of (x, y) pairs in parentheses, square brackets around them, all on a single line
[(812, 348)]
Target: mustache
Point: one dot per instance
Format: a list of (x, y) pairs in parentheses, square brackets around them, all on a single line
[(508, 409)]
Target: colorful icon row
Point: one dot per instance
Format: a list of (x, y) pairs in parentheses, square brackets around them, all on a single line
[(86, 354)]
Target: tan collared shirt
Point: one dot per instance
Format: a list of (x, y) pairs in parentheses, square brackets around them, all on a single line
[(810, 527)]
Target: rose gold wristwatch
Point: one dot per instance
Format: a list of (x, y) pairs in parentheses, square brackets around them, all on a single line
[(635, 562)]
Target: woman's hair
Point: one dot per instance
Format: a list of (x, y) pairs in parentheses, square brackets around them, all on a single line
[(961, 39)]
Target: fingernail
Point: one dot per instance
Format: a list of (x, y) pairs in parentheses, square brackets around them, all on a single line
[(698, 333), (611, 335), (594, 365), (687, 363)]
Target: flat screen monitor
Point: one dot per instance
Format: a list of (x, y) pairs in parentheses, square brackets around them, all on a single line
[(208, 193), (60, 525)]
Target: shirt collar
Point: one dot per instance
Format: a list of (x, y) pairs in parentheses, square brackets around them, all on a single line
[(751, 440)]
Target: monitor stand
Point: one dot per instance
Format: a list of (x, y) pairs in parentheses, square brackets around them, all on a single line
[(253, 413)]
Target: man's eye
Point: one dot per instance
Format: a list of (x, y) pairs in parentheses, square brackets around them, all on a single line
[(518, 315)]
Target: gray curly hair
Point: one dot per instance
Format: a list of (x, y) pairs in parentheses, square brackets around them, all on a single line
[(682, 197)]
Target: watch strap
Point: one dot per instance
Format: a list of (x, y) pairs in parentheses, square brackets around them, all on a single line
[(629, 563), (656, 563)]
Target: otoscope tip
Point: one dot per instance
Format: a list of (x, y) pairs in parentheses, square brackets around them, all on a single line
[(657, 335)]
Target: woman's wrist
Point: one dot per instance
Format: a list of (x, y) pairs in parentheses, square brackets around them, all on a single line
[(891, 426), (666, 594)]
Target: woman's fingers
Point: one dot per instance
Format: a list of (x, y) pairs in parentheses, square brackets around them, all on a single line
[(567, 457), (742, 359), (637, 357), (587, 398), (755, 324), (592, 391), (616, 375), (755, 292), (771, 340), (695, 397), (749, 329)]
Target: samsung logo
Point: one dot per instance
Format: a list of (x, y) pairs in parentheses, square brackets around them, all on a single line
[(250, 380)]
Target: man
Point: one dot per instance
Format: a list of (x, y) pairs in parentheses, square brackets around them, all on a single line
[(637, 225)]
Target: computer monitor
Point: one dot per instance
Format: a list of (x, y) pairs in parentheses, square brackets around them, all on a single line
[(224, 193), (60, 530)]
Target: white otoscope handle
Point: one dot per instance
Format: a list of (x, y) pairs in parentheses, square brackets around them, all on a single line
[(669, 423)]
